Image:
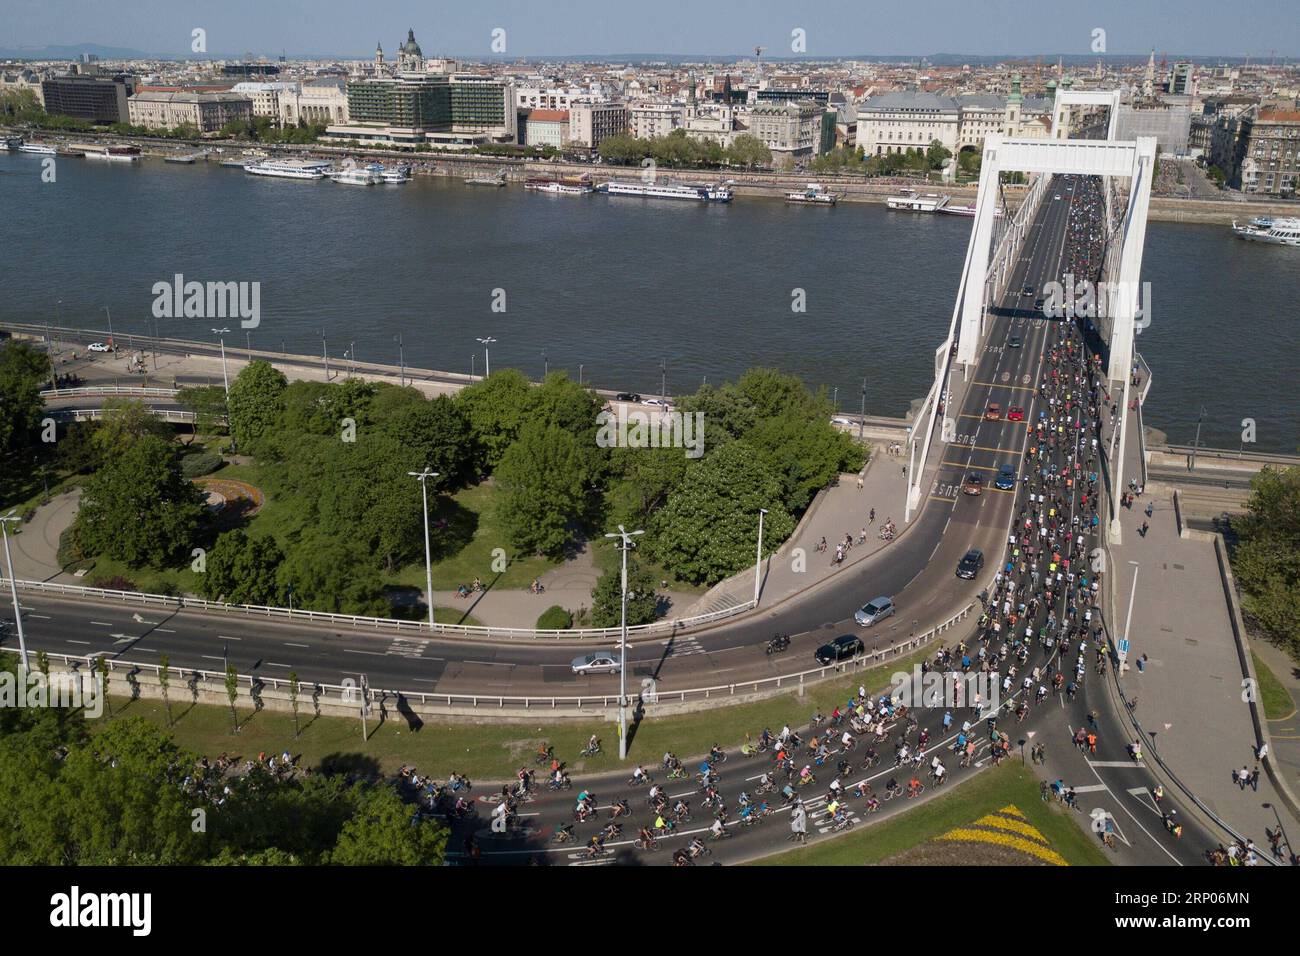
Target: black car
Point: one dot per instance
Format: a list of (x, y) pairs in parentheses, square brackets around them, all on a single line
[(970, 564), (627, 397), (1014, 342), (840, 649)]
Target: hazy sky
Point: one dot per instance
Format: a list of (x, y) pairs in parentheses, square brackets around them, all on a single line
[(560, 27)]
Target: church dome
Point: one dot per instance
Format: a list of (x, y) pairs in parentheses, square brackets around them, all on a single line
[(410, 47)]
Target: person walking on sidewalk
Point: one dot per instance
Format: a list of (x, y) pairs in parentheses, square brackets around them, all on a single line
[(1254, 779), (859, 481), (1243, 777), (799, 822)]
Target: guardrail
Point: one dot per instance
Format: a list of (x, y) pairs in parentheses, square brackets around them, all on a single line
[(379, 623), (110, 390), (345, 694), (88, 414)]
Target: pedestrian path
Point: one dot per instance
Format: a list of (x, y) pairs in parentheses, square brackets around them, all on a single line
[(1190, 693)]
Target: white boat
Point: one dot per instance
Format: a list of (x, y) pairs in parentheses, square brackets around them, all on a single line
[(116, 154), (815, 194), (357, 175), (396, 175), (715, 192), (37, 148), (910, 200), (564, 187), (289, 168), (1281, 232)]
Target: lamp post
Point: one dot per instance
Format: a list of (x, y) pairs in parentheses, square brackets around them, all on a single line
[(546, 364), (580, 374), (1196, 445), (401, 358), (220, 333), (487, 358), (248, 344), (13, 588), (325, 354), (862, 419), (422, 477), (758, 561), (626, 541), (110, 321), (1128, 619), (663, 378)]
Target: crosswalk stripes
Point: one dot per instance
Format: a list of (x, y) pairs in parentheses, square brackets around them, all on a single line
[(408, 647), (684, 646)]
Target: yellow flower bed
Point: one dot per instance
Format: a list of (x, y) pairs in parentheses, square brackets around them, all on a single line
[(968, 835), (1011, 825)]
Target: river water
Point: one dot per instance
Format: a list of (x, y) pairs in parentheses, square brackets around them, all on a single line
[(617, 286)]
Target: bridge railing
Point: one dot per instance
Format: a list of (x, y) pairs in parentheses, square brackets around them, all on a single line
[(345, 694), (671, 626)]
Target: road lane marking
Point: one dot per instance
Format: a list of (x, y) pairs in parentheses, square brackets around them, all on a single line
[(291, 644)]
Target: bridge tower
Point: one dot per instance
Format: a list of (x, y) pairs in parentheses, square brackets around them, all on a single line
[(994, 246)]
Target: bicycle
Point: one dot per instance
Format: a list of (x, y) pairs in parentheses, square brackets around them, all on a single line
[(915, 791), (651, 844)]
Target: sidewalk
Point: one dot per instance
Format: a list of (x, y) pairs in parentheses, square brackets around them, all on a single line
[(35, 551), (1191, 701), (835, 512)]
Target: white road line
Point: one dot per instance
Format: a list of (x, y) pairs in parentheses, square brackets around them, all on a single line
[(71, 641), (210, 657), (1117, 763), (274, 664), (224, 637), (103, 624), (43, 617), (348, 650), (1090, 788), (291, 644), (164, 630)]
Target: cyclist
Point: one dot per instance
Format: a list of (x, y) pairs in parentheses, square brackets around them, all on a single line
[(914, 787), (718, 830), (644, 838), (638, 774), (892, 788)]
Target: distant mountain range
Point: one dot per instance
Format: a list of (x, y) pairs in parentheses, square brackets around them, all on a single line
[(75, 52)]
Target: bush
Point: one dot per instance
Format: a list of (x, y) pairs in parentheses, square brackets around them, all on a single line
[(555, 618), (70, 551), (114, 583), (200, 464)]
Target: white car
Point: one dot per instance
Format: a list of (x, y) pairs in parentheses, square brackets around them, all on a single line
[(873, 611), (1057, 196), (841, 421), (600, 662), (98, 347), (657, 402)]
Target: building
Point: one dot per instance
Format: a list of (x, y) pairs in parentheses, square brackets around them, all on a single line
[(1271, 152), (22, 80), (319, 102), (206, 112), (1181, 80), (460, 109), (1169, 120), (771, 95), (549, 98), (590, 123), (897, 122), (265, 96), (791, 130), (250, 69), (652, 120), (94, 98), (544, 128)]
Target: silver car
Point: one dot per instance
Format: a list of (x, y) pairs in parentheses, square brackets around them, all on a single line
[(874, 610), (600, 662)]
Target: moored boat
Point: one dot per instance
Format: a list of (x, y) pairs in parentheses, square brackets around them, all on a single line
[(1283, 231)]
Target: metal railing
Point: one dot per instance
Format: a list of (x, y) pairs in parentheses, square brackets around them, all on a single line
[(344, 694), (379, 623), (110, 390)]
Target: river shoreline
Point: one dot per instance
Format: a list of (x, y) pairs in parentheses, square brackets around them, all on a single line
[(746, 184)]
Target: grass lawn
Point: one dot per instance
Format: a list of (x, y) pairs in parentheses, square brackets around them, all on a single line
[(490, 750), (988, 791), (1278, 704)]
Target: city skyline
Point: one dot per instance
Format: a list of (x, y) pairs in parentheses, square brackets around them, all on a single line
[(832, 29)]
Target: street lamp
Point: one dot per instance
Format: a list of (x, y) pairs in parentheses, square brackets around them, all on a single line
[(1122, 653), (758, 561), (487, 358), (110, 321), (13, 588), (325, 353), (422, 477), (1196, 445), (625, 537), (663, 378), (546, 364), (248, 343), (401, 358), (220, 333), (862, 419), (580, 374)]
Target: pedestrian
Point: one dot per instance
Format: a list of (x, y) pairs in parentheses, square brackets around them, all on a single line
[(1254, 780), (1143, 530), (799, 823), (1261, 751), (1150, 507), (859, 481), (1243, 777)]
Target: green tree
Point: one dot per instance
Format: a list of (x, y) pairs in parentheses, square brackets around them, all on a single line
[(748, 150), (164, 683), (937, 154), (709, 527), (333, 575), (438, 431), (138, 508), (232, 694), (1266, 559), (495, 408), (255, 402), (382, 833), (208, 403), (544, 478), (23, 372), (607, 596), (243, 570)]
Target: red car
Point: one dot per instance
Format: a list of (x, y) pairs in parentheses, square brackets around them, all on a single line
[(1015, 414)]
